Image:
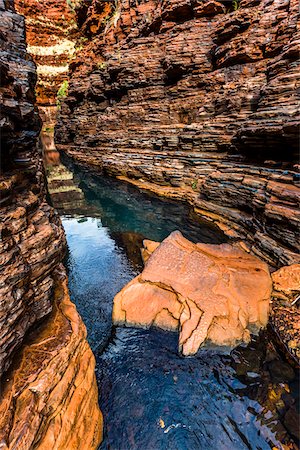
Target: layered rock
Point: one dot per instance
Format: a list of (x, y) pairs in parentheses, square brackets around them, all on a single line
[(48, 389), (196, 102), (32, 246), (213, 293), (19, 120), (50, 34), (50, 399)]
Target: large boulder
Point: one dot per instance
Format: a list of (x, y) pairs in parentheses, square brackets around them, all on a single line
[(214, 293)]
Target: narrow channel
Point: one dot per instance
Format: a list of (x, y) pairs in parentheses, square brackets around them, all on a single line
[(152, 398)]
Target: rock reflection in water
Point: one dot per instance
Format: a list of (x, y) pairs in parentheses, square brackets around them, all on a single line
[(151, 398)]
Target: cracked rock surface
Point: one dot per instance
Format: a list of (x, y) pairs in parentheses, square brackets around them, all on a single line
[(215, 293)]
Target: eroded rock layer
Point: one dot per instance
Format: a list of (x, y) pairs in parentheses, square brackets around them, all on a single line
[(19, 120), (208, 292), (50, 29), (189, 97), (32, 245), (50, 398), (48, 392)]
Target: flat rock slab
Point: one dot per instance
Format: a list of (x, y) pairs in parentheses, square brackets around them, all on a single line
[(215, 293)]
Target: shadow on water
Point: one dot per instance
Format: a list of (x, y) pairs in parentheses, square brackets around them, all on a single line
[(151, 398)]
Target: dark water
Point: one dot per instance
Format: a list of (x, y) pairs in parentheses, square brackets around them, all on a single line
[(151, 398)]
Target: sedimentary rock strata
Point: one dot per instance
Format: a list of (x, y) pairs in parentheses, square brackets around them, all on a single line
[(49, 399), (19, 121), (32, 245), (199, 101), (50, 35), (32, 238), (208, 292), (48, 389)]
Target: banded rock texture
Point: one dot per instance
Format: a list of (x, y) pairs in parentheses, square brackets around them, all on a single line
[(50, 398), (48, 392), (50, 35), (19, 120), (208, 292), (192, 101), (32, 245), (32, 239)]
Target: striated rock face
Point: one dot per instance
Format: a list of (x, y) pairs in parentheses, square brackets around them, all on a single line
[(50, 30), (198, 102), (48, 392), (19, 121), (31, 247), (32, 238), (208, 292), (50, 398)]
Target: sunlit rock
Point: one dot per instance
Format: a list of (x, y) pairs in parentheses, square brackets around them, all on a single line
[(286, 282), (214, 293)]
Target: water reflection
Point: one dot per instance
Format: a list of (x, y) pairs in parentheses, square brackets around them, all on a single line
[(151, 397)]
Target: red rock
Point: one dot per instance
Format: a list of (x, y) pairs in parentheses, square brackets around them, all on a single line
[(148, 248), (48, 397), (181, 94), (208, 292)]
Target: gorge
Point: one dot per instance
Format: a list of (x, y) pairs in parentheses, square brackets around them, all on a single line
[(168, 115)]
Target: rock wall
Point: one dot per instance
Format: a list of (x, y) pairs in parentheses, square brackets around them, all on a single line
[(50, 34), (193, 100), (50, 398), (48, 392), (20, 124)]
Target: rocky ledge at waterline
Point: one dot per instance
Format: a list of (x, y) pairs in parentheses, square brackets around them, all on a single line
[(195, 102), (48, 391), (214, 293)]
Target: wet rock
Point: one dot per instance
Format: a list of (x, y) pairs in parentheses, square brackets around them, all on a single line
[(281, 372), (208, 292)]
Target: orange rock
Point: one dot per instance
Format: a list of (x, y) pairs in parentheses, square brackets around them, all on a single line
[(287, 279), (148, 248), (50, 398), (214, 293)]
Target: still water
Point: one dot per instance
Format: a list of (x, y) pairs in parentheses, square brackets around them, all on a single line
[(151, 398)]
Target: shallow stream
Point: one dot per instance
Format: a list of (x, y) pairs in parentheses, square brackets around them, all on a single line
[(151, 398)]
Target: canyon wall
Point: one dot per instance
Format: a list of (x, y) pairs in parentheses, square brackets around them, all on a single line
[(196, 101), (48, 392), (50, 35)]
